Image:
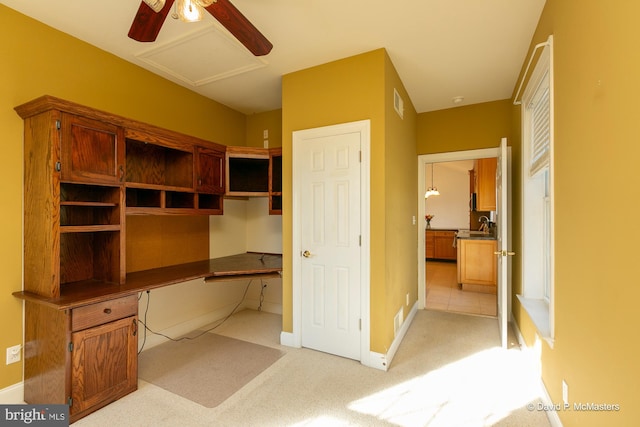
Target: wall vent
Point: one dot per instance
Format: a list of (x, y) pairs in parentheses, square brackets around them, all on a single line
[(398, 103), (397, 322)]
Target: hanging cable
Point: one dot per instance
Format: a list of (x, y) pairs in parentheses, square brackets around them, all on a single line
[(144, 323)]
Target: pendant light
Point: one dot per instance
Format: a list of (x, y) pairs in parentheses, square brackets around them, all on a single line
[(431, 191)]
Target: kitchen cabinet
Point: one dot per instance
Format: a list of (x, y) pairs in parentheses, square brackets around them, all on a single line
[(485, 180), (439, 244), (477, 264)]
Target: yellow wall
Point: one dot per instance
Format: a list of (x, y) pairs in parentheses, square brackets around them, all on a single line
[(401, 204), (257, 123), (464, 128), (347, 90), (38, 60), (596, 155)]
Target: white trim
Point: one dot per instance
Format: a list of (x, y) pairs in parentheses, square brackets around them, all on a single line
[(12, 395), (289, 339), (543, 67), (422, 162), (294, 339)]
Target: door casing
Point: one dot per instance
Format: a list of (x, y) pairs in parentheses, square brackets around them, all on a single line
[(423, 160)]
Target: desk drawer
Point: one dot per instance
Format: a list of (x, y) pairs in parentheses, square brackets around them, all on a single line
[(103, 312)]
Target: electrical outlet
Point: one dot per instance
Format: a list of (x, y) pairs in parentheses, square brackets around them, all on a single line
[(565, 393), (13, 354)]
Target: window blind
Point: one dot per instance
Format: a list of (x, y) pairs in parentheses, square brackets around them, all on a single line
[(540, 110)]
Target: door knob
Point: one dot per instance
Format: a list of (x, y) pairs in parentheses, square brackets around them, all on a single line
[(306, 254)]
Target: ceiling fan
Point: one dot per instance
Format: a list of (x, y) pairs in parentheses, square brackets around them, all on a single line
[(152, 14)]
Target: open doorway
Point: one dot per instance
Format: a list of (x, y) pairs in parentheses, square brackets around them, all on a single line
[(454, 215)]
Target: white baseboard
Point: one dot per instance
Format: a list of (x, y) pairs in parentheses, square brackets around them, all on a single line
[(554, 418), (289, 339), (180, 329), (12, 395), (383, 361)]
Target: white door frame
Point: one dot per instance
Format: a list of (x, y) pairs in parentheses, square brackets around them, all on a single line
[(364, 128), (423, 160)]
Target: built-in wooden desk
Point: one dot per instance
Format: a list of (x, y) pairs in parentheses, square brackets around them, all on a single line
[(247, 265), (88, 335)]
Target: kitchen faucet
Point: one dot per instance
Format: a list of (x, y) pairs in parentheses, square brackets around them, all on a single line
[(485, 223)]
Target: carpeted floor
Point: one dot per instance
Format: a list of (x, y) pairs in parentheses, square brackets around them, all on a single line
[(449, 371)]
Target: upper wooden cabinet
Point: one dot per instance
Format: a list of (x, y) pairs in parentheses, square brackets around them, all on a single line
[(91, 151), (275, 181), (254, 172), (485, 176), (210, 171)]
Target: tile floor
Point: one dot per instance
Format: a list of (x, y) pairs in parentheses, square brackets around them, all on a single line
[(443, 292)]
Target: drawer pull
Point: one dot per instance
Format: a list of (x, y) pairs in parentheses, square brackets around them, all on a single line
[(107, 311)]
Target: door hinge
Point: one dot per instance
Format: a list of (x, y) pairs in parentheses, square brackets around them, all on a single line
[(70, 347), (360, 240), (70, 401), (360, 156), (359, 324), (58, 124)]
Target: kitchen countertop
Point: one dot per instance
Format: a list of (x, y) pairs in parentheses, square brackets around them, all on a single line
[(475, 235)]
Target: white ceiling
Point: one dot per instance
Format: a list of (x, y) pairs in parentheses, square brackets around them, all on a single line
[(441, 48)]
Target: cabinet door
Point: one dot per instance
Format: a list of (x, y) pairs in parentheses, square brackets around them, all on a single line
[(430, 244), (91, 151), (210, 171), (443, 243), (478, 265), (486, 184), (104, 364)]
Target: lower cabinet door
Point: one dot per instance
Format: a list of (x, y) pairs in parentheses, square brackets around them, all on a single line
[(104, 364)]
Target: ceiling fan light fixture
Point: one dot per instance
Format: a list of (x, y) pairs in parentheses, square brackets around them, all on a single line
[(155, 5), (189, 11)]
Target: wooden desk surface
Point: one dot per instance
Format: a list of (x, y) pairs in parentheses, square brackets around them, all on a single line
[(247, 265)]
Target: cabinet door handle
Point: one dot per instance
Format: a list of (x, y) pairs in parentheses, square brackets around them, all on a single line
[(121, 173), (134, 325), (107, 311)]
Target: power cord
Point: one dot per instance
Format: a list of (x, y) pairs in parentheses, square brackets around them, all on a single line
[(146, 328), (262, 287)]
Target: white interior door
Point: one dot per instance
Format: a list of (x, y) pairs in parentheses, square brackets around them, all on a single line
[(327, 183), (503, 253)]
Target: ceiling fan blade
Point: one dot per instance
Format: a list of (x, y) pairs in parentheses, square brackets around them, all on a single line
[(238, 25), (147, 23)]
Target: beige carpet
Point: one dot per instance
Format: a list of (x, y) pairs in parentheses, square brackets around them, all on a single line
[(449, 371), (206, 370)]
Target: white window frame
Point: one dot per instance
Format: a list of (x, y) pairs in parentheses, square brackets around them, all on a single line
[(538, 284)]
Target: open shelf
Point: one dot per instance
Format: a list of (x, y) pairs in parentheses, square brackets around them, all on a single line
[(90, 255), (158, 165), (83, 206)]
